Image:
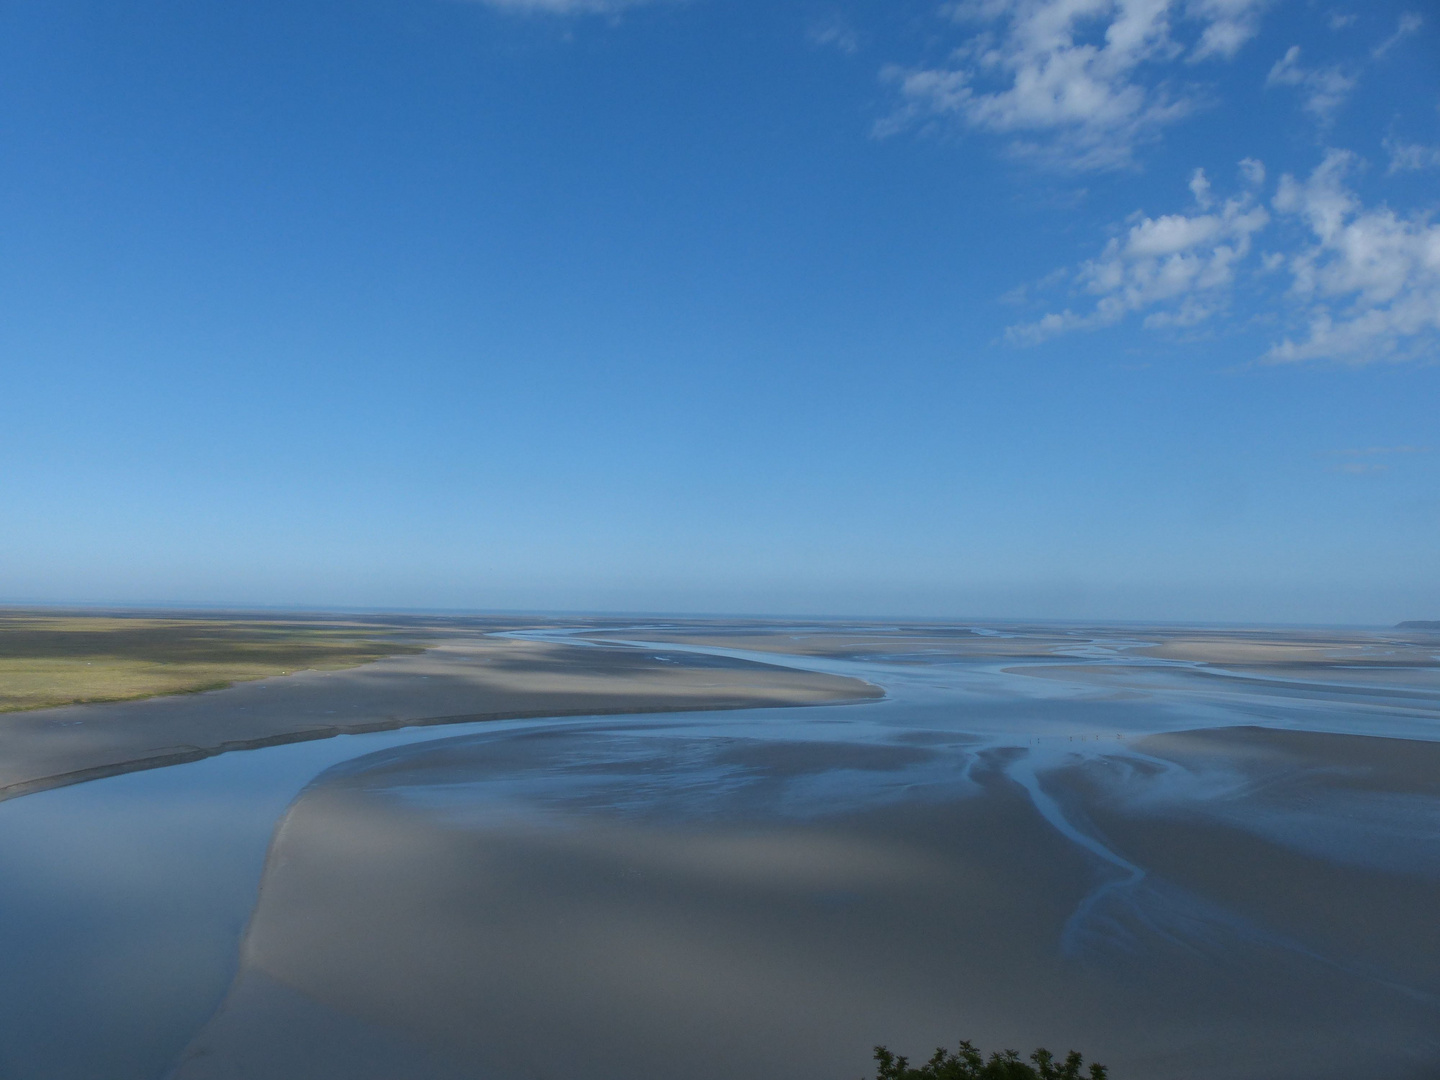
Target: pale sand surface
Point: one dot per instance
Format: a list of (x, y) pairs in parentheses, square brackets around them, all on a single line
[(612, 925), (304, 1037), (890, 642), (639, 946), (1400, 687), (1330, 655), (465, 678)]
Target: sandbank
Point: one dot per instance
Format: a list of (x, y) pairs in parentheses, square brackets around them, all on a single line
[(619, 928), (464, 678)]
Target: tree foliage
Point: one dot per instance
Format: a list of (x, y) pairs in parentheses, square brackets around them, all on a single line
[(967, 1063)]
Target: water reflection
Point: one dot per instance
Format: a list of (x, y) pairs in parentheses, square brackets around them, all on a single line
[(123, 902)]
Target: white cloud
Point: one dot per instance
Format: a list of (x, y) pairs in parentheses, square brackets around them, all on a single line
[(1178, 266), (1200, 188), (1076, 82), (1252, 171), (1369, 283), (1409, 157), (1322, 90), (1410, 22), (1364, 282), (1229, 24)]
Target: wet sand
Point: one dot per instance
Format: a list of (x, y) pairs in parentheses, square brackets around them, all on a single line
[(529, 932), (461, 680), (654, 942), (1330, 840), (1319, 650)]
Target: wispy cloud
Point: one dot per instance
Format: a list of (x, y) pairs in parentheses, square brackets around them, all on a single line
[(1361, 462), (1409, 157), (1370, 280), (563, 7), (1410, 22), (835, 33), (1076, 83), (1364, 282), (1178, 267), (1228, 24), (1372, 451), (1322, 89)]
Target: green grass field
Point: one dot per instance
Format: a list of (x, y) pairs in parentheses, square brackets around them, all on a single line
[(61, 659)]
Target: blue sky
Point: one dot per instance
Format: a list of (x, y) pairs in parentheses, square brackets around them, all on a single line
[(1062, 308)]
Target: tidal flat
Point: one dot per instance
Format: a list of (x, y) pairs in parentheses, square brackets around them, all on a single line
[(1184, 851)]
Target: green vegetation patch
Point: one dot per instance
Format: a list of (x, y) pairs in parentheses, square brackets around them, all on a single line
[(51, 659), (967, 1063)]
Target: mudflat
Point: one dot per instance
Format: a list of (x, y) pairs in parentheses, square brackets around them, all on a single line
[(581, 938), (1328, 839), (598, 926)]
